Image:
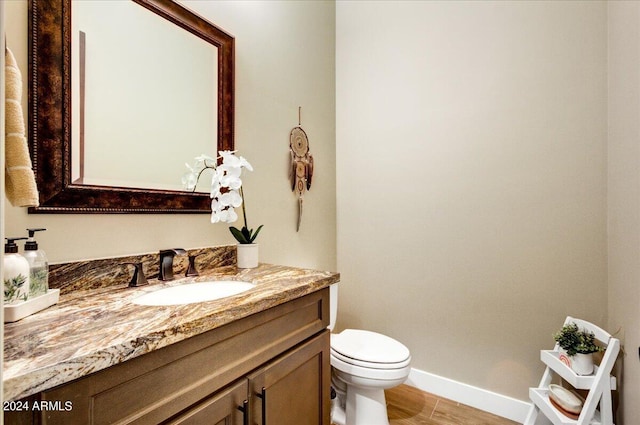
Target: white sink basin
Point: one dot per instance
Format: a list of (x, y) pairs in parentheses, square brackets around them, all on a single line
[(194, 292)]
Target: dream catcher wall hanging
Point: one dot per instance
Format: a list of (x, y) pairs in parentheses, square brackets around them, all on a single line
[(301, 169)]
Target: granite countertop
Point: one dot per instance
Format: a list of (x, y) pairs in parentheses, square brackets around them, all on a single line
[(90, 330)]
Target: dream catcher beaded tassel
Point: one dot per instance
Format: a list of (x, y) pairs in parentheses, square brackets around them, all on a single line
[(301, 170)]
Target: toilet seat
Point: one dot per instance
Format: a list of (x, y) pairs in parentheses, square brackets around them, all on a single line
[(367, 353), (369, 373), (369, 347), (370, 365)]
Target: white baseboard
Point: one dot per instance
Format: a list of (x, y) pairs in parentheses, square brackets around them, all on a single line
[(488, 401)]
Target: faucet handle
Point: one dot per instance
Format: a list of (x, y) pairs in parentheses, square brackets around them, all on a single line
[(138, 278), (191, 269)]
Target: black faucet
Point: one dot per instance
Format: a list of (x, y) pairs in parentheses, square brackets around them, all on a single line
[(166, 262)]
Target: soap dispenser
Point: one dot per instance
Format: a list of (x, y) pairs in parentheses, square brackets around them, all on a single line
[(38, 266), (16, 273)]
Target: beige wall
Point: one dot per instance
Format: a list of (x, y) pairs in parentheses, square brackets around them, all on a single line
[(624, 194), (471, 146), (285, 58)]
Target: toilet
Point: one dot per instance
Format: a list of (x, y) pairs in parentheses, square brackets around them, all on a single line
[(363, 365)]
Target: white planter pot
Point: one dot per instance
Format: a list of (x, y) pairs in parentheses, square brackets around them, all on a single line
[(247, 255), (564, 357), (582, 364)]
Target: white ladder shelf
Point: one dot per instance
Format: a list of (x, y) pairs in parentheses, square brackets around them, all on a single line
[(599, 384)]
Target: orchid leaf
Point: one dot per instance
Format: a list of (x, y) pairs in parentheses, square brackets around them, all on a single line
[(238, 235), (247, 234), (255, 235)]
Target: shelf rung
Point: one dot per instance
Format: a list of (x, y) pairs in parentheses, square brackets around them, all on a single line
[(540, 397), (552, 359)]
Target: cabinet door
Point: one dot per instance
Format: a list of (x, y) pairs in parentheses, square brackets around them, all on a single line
[(294, 389), (226, 407)]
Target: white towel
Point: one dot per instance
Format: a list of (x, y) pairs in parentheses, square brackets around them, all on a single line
[(20, 182)]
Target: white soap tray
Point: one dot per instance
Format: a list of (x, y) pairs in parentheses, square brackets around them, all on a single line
[(15, 312)]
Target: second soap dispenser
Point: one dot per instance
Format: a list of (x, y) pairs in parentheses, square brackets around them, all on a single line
[(38, 265)]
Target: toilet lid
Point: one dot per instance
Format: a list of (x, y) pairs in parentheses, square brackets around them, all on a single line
[(369, 347)]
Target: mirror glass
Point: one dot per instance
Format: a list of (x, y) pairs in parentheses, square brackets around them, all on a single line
[(120, 97), (144, 96)]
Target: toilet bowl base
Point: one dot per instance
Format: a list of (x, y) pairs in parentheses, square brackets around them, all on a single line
[(338, 415), (356, 404), (366, 406)]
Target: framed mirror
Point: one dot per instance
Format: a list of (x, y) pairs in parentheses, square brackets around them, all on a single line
[(67, 98)]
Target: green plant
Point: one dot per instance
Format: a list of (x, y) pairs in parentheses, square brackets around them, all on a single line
[(244, 236), (576, 341)]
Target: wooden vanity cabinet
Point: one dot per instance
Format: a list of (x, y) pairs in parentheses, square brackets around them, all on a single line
[(291, 390), (294, 389), (272, 365), (225, 407)]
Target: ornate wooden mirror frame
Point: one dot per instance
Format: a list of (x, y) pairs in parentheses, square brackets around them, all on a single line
[(50, 115)]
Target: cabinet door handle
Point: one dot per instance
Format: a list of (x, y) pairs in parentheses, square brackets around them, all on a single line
[(263, 396), (245, 412)]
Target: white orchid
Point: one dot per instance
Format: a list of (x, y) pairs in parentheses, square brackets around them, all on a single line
[(230, 176), (202, 160), (244, 163), (226, 215), (216, 186), (230, 199), (226, 189), (190, 178)]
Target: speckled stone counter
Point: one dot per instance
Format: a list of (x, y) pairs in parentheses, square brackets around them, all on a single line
[(90, 330)]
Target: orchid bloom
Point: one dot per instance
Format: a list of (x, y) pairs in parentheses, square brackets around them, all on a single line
[(225, 183), (190, 178)]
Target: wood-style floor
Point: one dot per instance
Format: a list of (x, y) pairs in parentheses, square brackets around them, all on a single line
[(409, 406)]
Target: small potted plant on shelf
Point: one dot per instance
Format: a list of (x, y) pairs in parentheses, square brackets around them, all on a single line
[(579, 346), (226, 195)]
